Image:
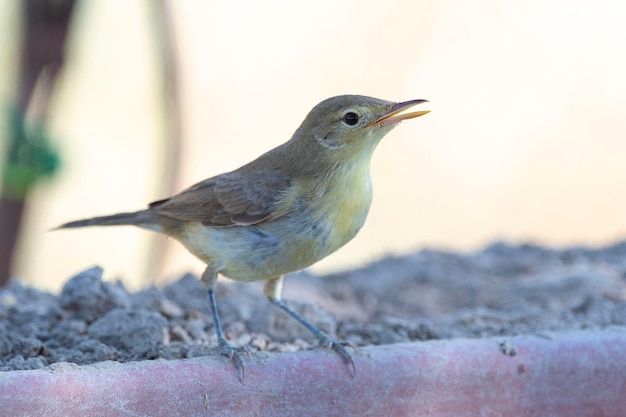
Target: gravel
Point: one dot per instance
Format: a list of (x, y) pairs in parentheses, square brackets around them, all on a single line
[(502, 290)]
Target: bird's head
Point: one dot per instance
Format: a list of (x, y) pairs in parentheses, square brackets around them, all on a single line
[(351, 125)]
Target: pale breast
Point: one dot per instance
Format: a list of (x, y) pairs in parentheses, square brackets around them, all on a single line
[(318, 224), (347, 211)]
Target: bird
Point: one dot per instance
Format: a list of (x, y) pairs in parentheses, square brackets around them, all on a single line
[(284, 211)]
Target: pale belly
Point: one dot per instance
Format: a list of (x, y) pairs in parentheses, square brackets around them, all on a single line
[(274, 248)]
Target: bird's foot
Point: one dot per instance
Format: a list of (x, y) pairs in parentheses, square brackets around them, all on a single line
[(235, 355), (339, 347)]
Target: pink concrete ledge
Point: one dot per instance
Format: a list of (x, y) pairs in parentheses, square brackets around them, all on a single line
[(563, 374)]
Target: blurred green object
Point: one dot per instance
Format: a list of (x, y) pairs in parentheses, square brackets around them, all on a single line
[(30, 155)]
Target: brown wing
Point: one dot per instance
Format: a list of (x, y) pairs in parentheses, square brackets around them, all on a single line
[(227, 200)]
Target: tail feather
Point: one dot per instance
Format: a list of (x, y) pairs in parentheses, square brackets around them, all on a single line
[(143, 218)]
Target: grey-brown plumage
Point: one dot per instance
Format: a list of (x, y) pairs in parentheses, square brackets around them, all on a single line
[(227, 200), (135, 219), (284, 211)]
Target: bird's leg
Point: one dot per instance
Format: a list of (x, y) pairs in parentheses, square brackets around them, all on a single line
[(273, 288), (209, 278)]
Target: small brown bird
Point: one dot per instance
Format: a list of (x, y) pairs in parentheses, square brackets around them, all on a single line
[(284, 211)]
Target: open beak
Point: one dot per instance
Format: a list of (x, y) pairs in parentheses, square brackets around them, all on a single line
[(395, 115)]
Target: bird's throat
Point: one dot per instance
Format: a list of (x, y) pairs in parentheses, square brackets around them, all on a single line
[(347, 202)]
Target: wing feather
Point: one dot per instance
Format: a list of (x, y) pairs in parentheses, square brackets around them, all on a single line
[(228, 200)]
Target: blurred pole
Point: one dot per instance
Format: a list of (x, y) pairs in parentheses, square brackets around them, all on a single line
[(29, 155), (172, 121)]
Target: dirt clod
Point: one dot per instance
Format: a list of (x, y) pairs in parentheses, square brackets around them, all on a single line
[(503, 290)]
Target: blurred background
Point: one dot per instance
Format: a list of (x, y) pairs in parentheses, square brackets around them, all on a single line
[(109, 104)]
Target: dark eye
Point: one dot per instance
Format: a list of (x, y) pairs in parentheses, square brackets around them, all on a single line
[(351, 118)]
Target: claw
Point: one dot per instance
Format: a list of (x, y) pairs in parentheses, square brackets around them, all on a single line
[(340, 348), (227, 349), (350, 345)]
